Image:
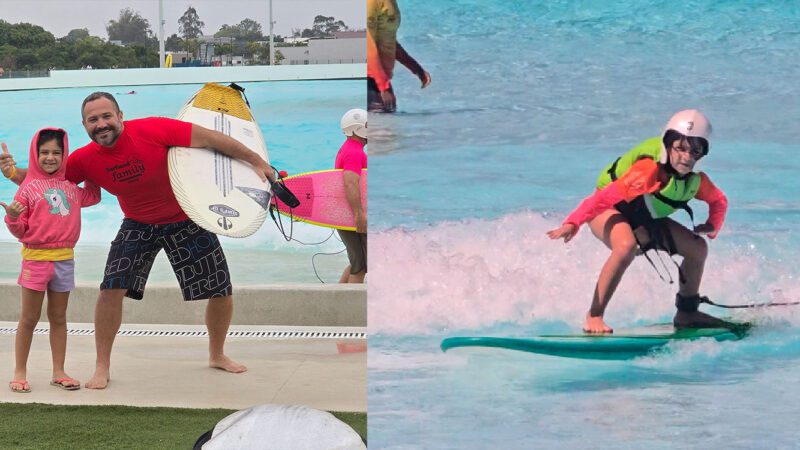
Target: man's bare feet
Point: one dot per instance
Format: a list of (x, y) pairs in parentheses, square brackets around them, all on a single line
[(99, 380), (595, 325), (224, 363)]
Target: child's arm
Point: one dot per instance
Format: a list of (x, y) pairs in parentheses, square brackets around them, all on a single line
[(89, 194), (17, 214), (717, 203), (641, 178)]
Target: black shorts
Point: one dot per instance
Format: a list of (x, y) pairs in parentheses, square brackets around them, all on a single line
[(195, 254), (637, 215), (356, 245), (374, 99)]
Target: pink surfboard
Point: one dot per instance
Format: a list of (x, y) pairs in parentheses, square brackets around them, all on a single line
[(322, 199)]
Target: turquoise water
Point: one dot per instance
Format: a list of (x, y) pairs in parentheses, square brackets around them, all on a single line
[(299, 120), (528, 103)]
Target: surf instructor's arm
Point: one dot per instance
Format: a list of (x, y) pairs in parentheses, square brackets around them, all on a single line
[(353, 192), (205, 138)]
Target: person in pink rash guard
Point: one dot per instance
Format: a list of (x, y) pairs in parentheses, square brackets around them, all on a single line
[(352, 158), (45, 216), (629, 213)]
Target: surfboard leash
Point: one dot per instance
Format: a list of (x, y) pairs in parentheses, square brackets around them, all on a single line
[(280, 191), (241, 91), (748, 305), (314, 266), (288, 238)]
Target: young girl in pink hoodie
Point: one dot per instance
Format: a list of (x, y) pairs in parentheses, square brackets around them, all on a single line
[(46, 217)]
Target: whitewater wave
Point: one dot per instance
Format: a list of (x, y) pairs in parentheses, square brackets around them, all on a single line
[(478, 273)]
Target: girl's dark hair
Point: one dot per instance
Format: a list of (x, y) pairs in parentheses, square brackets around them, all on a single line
[(695, 143), (49, 135)]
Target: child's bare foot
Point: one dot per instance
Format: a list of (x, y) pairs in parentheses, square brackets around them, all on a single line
[(595, 325), (99, 380), (226, 364)]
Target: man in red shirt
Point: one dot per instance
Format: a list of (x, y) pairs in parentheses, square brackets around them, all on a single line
[(129, 159)]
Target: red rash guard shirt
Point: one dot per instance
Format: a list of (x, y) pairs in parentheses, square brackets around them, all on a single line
[(135, 168)]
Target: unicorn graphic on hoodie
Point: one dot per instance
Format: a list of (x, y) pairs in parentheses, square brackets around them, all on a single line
[(59, 204)]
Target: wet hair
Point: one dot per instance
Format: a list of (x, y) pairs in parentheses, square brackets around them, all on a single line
[(695, 143), (49, 135), (96, 96)]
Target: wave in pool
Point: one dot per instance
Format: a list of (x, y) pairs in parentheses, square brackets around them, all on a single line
[(477, 273)]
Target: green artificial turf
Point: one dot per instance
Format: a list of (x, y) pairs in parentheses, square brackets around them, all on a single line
[(61, 427)]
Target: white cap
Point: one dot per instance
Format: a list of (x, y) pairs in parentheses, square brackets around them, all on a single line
[(690, 123), (354, 122)]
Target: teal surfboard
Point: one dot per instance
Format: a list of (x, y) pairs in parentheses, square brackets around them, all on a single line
[(622, 344)]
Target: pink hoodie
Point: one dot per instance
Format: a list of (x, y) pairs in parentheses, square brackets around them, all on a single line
[(52, 215)]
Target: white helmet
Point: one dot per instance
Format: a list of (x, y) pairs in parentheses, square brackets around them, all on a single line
[(690, 123), (355, 122)]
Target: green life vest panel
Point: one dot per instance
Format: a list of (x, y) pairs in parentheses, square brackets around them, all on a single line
[(674, 195)]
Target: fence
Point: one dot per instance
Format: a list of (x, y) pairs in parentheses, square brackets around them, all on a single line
[(302, 62), (24, 73)]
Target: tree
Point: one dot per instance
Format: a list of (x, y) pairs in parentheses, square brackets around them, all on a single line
[(189, 25), (24, 35), (174, 43), (259, 52), (223, 49), (130, 28), (77, 34), (25, 46), (8, 56), (250, 30), (323, 27), (247, 30)]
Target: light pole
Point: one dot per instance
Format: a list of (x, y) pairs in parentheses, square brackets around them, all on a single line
[(161, 33), (271, 44)]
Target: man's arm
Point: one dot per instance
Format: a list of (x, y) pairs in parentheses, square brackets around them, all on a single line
[(353, 192), (205, 138)]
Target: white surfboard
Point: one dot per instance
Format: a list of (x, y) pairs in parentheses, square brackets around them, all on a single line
[(221, 194)]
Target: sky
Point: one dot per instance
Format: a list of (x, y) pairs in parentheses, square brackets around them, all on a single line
[(61, 16)]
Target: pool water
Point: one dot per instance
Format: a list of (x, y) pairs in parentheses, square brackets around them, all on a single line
[(300, 122), (529, 102)]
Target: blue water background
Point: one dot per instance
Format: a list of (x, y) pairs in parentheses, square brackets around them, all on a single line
[(529, 101), (300, 123)]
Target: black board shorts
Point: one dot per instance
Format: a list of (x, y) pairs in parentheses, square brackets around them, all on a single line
[(194, 253), (356, 245), (374, 99)]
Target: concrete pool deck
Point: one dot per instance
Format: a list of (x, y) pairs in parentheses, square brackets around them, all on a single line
[(172, 371)]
